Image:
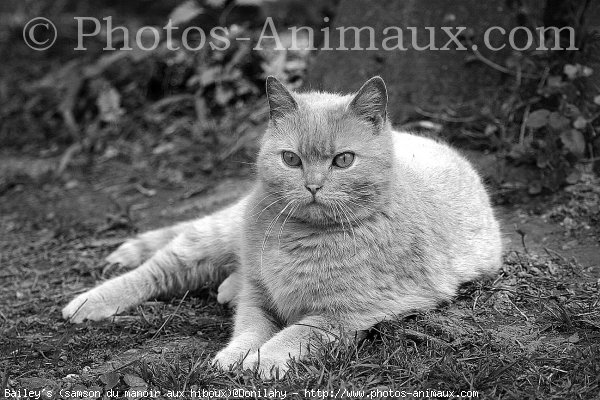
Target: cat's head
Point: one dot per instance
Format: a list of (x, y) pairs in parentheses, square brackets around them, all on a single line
[(327, 157)]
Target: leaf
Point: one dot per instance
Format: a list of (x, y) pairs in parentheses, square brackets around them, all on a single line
[(574, 141), (134, 381), (579, 123), (136, 384), (557, 121), (571, 110), (215, 3), (109, 104), (597, 100), (185, 12), (573, 177), (574, 338), (250, 2), (209, 76), (571, 71), (535, 187), (538, 118), (542, 160), (36, 383), (554, 81), (223, 95), (110, 379)]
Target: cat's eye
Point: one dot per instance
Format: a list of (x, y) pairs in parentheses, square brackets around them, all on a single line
[(343, 160), (291, 159)]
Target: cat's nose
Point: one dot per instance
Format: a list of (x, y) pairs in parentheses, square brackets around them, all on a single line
[(313, 188)]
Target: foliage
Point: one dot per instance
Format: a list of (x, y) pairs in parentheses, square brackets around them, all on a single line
[(558, 122), (185, 111), (547, 116)]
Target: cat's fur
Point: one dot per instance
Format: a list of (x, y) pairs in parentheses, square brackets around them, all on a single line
[(398, 230)]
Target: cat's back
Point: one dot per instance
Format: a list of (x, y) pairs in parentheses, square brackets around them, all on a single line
[(447, 188), (424, 154), (436, 166)]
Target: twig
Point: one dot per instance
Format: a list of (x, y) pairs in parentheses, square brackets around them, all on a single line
[(421, 335), (67, 156), (522, 234), (76, 311), (524, 124), (422, 125), (170, 316), (5, 379), (499, 67), (411, 332), (445, 117), (518, 309)]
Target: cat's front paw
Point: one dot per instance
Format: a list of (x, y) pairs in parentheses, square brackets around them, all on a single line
[(92, 305), (228, 358), (129, 254), (268, 366)]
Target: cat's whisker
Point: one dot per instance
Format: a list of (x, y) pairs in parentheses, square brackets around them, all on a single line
[(332, 209), (269, 229), (264, 209), (335, 202), (356, 220), (351, 229), (361, 205), (263, 199), (292, 210)]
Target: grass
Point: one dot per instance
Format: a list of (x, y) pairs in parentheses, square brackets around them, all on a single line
[(533, 332)]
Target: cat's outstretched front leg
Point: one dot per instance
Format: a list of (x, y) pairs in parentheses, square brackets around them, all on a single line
[(164, 272), (206, 251), (140, 248)]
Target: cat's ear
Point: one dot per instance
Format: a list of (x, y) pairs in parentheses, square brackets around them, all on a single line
[(370, 102), (280, 99)]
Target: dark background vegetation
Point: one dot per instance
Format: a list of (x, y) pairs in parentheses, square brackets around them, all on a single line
[(97, 145)]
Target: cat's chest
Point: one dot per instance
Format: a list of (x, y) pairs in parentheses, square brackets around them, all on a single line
[(306, 272)]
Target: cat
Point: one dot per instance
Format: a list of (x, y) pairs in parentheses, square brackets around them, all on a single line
[(349, 223)]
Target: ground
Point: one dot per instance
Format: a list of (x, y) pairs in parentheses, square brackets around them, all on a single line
[(531, 332), (171, 136)]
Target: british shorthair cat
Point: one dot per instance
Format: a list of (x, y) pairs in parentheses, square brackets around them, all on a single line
[(349, 223)]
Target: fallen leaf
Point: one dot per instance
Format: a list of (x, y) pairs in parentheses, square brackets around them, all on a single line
[(557, 121), (110, 379), (574, 141), (573, 177), (538, 118), (185, 12), (535, 187), (136, 384), (554, 81), (135, 381), (579, 123), (574, 338), (109, 105), (570, 71)]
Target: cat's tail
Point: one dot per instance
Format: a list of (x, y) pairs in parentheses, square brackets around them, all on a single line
[(140, 248), (201, 251)]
